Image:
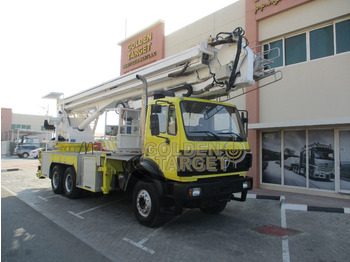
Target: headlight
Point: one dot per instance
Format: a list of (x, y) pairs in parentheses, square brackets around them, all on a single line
[(194, 192), (246, 185)]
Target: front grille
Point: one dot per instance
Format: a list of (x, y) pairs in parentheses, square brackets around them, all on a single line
[(325, 167), (239, 162)]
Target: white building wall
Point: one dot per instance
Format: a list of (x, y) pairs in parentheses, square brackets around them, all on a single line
[(301, 17), (318, 89), (311, 90), (36, 122), (224, 20)]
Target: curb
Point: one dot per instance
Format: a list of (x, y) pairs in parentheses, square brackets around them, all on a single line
[(10, 169), (300, 207)]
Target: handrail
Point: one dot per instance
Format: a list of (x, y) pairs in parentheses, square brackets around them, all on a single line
[(82, 146), (87, 147)]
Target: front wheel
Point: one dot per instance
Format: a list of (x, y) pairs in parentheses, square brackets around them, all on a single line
[(146, 204), (69, 183)]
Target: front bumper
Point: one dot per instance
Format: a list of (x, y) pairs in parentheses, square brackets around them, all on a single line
[(212, 191)]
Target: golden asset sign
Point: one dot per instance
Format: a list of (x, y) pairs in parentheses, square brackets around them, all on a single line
[(266, 4), (142, 49), (140, 46)]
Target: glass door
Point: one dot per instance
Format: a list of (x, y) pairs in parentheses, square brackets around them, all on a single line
[(344, 160)]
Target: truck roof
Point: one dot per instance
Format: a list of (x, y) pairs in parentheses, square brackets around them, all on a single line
[(178, 99)]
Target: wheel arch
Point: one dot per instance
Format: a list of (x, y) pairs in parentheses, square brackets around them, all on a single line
[(150, 168), (147, 171)]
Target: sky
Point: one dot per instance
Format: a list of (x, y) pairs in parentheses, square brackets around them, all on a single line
[(71, 45)]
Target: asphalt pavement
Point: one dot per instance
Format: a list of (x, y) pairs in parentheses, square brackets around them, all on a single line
[(27, 235)]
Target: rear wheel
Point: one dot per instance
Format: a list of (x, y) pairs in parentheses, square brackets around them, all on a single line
[(57, 179), (69, 183), (214, 209), (146, 204)]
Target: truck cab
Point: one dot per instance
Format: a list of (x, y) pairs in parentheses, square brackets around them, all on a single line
[(192, 139), (196, 155)]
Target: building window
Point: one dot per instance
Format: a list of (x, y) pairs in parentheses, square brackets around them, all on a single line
[(27, 127), (343, 36), (321, 42), (344, 157), (163, 119), (271, 157), (295, 49), (273, 52), (321, 159), (15, 126), (308, 158), (294, 158)]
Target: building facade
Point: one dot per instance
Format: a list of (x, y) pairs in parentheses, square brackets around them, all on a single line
[(299, 127), (22, 128), (300, 131)]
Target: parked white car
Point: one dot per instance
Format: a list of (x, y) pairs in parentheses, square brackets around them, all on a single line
[(23, 151), (35, 152)]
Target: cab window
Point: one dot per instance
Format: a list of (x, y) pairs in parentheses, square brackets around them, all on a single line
[(163, 119), (172, 125)]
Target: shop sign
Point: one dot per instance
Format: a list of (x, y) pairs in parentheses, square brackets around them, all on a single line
[(143, 48), (261, 6)]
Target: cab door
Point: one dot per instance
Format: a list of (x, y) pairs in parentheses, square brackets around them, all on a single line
[(162, 140)]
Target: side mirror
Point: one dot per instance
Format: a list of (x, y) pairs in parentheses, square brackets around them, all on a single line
[(154, 125), (244, 118)]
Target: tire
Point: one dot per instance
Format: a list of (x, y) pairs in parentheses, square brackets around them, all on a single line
[(69, 184), (146, 204), (57, 179), (214, 209), (25, 155)]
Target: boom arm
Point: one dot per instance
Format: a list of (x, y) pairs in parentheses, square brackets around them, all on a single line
[(212, 69), (217, 59)]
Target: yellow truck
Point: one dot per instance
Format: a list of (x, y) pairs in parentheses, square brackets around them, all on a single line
[(174, 147)]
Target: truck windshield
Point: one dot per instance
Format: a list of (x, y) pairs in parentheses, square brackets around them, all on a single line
[(326, 155), (211, 122)]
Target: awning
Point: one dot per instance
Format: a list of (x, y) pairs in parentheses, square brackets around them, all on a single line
[(301, 123)]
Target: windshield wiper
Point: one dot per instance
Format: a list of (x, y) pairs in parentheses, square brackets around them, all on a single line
[(231, 133), (207, 132)]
